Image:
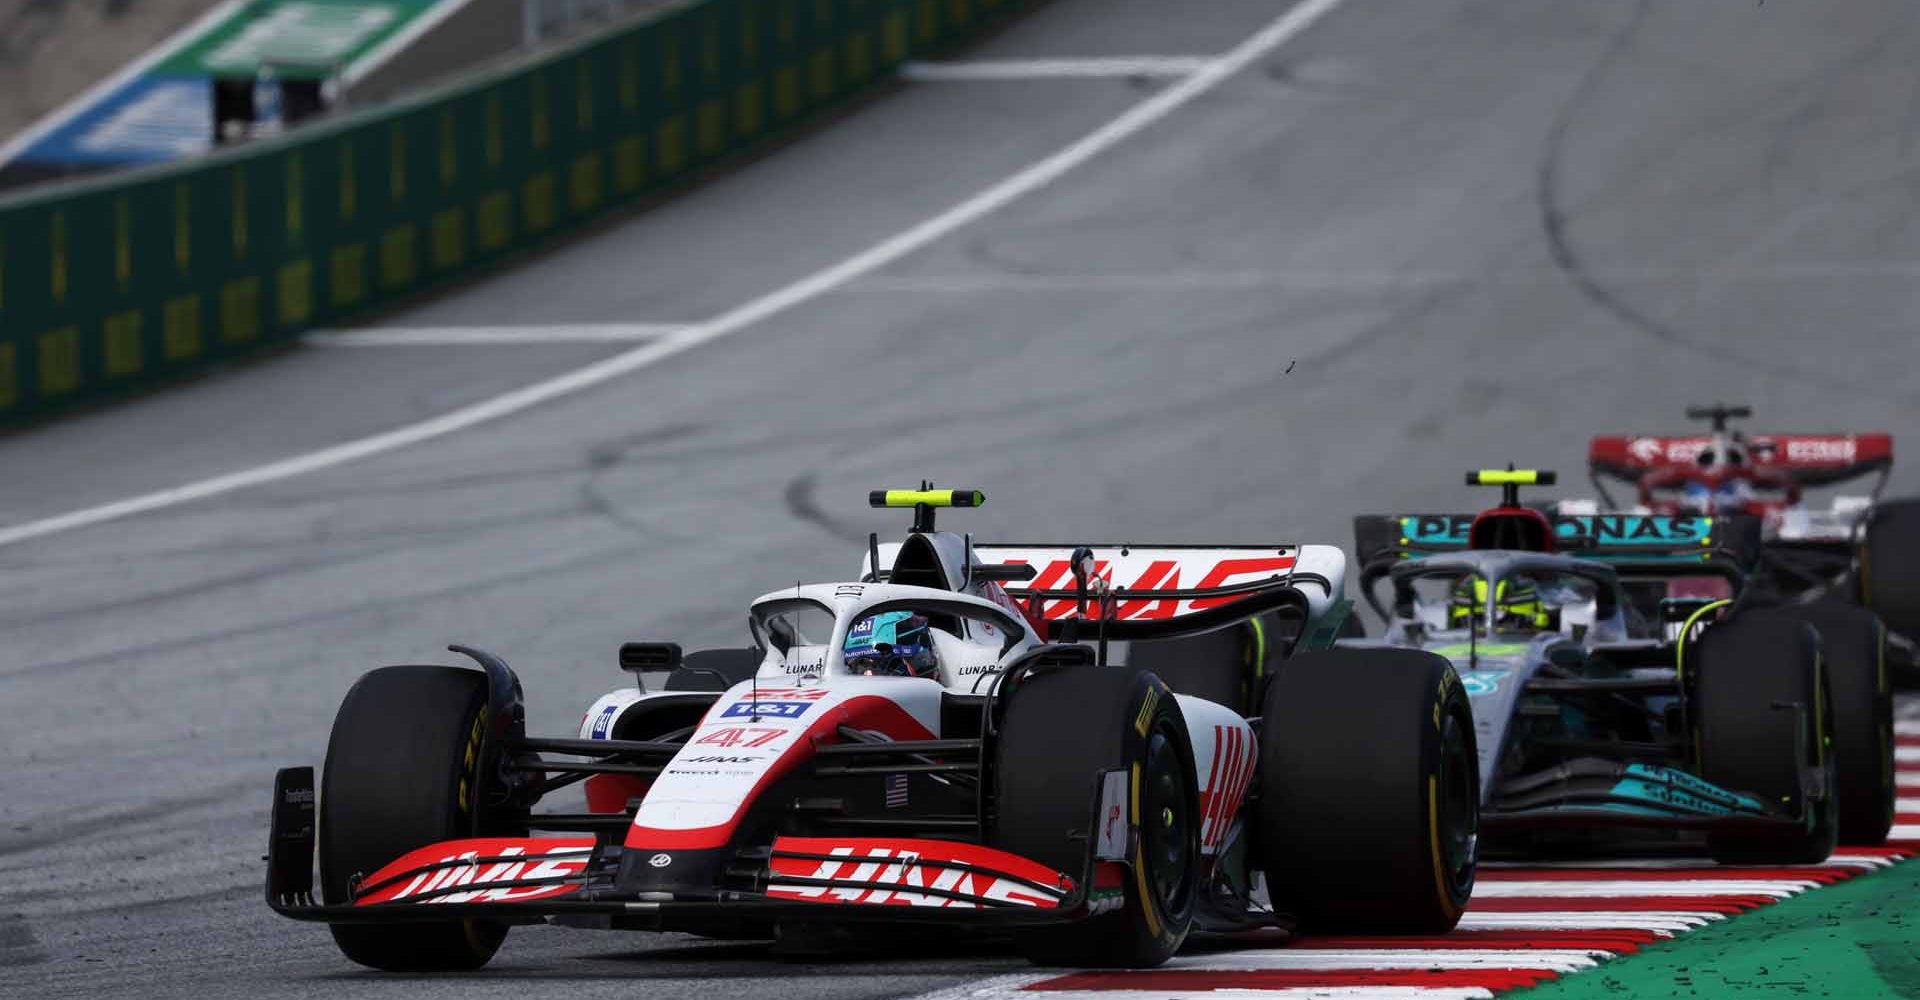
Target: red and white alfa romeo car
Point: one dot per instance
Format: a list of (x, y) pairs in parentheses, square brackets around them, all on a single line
[(941, 740)]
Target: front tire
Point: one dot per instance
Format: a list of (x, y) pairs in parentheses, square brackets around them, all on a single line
[(403, 771), (1369, 806), (1744, 670), (1855, 647), (1062, 731)]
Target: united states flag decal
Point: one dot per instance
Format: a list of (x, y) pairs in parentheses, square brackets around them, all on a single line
[(896, 791)]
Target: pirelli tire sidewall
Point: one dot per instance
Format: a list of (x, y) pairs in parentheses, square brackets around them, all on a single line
[(1740, 673), (404, 769), (1367, 817), (1854, 646), (1060, 731)]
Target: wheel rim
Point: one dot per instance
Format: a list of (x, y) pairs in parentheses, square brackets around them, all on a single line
[(1166, 823), (1459, 790)]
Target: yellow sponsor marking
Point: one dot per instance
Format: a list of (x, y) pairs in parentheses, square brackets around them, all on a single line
[(296, 195), (542, 125), (240, 310), (121, 332), (294, 292), (584, 183), (57, 245), (449, 241), (182, 227), (496, 220), (397, 257), (59, 361), (630, 163), (180, 328), (9, 377), (536, 202), (348, 274)]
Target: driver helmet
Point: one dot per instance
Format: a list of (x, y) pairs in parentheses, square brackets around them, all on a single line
[(891, 644), (1516, 605)]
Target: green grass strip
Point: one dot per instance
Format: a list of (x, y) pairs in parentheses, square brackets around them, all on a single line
[(1859, 940)]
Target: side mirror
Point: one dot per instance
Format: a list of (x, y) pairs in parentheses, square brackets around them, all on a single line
[(637, 657)]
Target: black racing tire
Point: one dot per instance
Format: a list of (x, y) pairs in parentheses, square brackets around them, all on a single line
[(1740, 670), (1889, 571), (1855, 646), (403, 770), (1368, 815), (1061, 732), (1220, 666)]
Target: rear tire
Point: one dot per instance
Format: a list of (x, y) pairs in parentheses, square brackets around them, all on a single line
[(1741, 669), (403, 771), (1369, 807), (1062, 730), (1855, 644), (1890, 565)]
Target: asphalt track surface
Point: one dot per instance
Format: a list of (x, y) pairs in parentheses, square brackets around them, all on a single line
[(1413, 239)]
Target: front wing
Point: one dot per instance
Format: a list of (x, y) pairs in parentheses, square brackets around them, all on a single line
[(574, 880)]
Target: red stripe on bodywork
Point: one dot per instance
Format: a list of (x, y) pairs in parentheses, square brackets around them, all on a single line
[(1213, 781), (1270, 979)]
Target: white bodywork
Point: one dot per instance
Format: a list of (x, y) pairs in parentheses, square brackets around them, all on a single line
[(803, 693)]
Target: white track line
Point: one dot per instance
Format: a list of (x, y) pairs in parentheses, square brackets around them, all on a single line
[(1659, 921), (1559, 960), (1054, 69), (1861, 861), (1136, 120), (1777, 888), (464, 336)]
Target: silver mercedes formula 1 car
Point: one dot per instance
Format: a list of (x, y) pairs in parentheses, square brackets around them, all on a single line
[(1626, 677), (940, 741)]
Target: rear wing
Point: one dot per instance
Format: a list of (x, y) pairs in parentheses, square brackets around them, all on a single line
[(1148, 592), (1808, 459), (1640, 544)]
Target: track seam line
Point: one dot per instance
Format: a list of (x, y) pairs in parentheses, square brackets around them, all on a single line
[(1135, 120)]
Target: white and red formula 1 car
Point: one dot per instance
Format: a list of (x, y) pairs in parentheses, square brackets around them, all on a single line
[(941, 741), (1857, 552)]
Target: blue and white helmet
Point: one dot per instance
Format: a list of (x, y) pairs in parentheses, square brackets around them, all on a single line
[(891, 643)]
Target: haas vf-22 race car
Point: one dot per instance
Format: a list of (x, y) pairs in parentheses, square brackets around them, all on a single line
[(1624, 680), (938, 742)]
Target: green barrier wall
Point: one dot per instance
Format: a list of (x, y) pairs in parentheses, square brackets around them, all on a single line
[(128, 282)]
